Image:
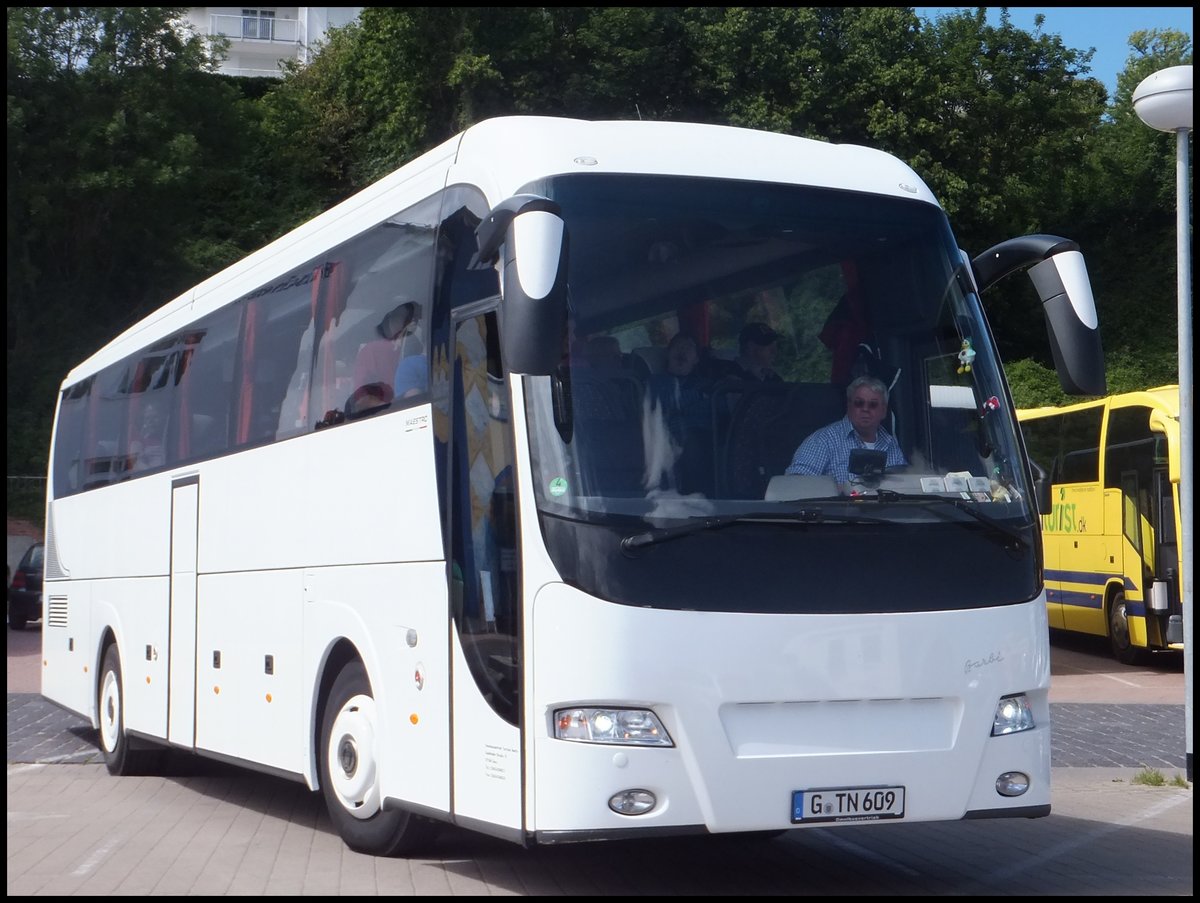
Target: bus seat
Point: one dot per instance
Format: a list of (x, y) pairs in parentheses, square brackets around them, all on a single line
[(654, 357), (608, 411), (768, 423)]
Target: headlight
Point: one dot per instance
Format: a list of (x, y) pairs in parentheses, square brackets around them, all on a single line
[(624, 727), (1013, 714)]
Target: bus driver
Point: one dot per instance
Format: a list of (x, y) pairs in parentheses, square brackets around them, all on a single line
[(827, 451)]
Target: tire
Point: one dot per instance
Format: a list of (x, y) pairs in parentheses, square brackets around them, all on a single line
[(348, 758), (110, 709), (1123, 648), (15, 621)]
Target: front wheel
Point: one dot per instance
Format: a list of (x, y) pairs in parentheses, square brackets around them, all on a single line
[(349, 762), (1118, 632)]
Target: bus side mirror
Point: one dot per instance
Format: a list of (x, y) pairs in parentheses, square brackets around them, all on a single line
[(1041, 488), (1060, 277), (527, 236), (1062, 284)]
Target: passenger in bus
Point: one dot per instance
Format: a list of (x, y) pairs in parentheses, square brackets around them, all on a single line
[(377, 359), (827, 451), (682, 396), (603, 354), (758, 344), (146, 452), (412, 376), (680, 391)]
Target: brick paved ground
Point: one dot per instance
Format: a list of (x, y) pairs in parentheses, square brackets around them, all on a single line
[(207, 828)]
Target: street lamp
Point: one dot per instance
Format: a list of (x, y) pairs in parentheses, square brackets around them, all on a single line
[(1164, 101)]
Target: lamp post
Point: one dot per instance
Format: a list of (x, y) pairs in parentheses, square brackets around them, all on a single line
[(1164, 101)]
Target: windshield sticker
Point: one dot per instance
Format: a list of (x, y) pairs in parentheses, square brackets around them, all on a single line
[(957, 482), (558, 486)]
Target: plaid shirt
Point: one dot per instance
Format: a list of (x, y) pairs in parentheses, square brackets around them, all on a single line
[(828, 450)]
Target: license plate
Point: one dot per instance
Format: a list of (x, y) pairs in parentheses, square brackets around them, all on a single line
[(847, 804)]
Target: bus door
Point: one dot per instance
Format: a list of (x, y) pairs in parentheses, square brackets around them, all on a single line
[(1166, 554), (181, 701), (1043, 439), (485, 602)]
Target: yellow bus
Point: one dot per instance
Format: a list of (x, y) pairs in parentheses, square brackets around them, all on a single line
[(1111, 532)]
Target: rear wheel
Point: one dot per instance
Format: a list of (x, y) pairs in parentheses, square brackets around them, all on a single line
[(349, 763), (1118, 632), (114, 742)]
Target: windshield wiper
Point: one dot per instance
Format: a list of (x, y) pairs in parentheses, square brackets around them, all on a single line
[(1019, 541), (805, 515)]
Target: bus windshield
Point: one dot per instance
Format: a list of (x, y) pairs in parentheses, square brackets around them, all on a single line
[(714, 327)]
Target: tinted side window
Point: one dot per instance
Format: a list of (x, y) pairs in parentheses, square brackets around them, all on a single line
[(317, 346), (1081, 446), (204, 376), (104, 441), (69, 438), (1128, 465), (272, 397), (1128, 446), (152, 412), (1042, 441), (373, 319)]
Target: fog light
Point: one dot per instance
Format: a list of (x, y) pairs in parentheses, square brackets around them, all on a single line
[(1012, 783), (632, 802)]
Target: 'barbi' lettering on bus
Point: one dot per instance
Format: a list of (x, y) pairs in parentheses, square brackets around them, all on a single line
[(993, 659)]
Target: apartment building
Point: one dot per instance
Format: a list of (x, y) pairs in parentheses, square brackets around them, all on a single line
[(262, 38)]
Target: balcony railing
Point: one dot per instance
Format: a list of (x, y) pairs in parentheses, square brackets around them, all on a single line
[(252, 73), (256, 28)]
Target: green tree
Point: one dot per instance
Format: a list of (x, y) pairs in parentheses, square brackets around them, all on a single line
[(820, 72), (401, 80), (134, 171), (1005, 119), (1121, 202), (125, 170)]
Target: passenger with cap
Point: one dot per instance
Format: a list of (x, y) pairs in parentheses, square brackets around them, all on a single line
[(757, 345)]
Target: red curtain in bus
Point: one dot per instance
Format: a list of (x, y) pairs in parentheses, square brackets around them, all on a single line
[(255, 317), (846, 327), (186, 388), (328, 303)]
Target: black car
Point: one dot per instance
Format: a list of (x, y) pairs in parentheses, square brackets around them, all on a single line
[(25, 591)]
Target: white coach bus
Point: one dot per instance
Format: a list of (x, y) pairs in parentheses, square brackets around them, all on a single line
[(419, 505)]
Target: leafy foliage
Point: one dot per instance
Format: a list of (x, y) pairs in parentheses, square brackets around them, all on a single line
[(134, 171), (125, 171)]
